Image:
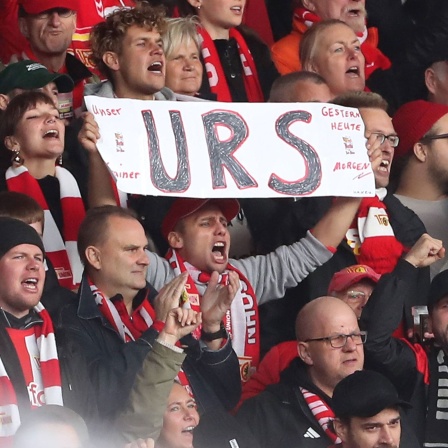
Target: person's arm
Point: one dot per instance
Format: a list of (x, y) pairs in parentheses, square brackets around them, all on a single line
[(384, 311), (99, 184), (287, 266), (142, 417)]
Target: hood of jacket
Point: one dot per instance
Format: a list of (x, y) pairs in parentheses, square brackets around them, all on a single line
[(105, 90)]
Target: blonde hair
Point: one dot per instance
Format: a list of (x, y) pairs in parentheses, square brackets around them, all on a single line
[(180, 30)]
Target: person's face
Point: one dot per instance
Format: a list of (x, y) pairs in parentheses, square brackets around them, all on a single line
[(50, 89), (352, 12), (218, 16), (203, 239), (23, 274), (39, 134), (310, 92), (356, 295), (179, 420), (140, 67), (51, 35), (120, 263), (327, 365), (339, 60), (184, 69), (438, 322), (383, 430), (437, 156), (378, 121)]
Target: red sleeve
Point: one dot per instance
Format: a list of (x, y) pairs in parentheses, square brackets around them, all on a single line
[(268, 372)]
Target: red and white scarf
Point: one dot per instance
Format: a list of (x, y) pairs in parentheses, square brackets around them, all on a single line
[(375, 59), (131, 329), (241, 321), (216, 76), (372, 237), (49, 371), (323, 414), (64, 256)]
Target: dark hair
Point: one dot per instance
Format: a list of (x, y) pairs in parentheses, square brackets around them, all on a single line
[(108, 35), (17, 108), (281, 87), (359, 100), (20, 206), (94, 228)]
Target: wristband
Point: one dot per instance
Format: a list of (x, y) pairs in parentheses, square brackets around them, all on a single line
[(221, 333)]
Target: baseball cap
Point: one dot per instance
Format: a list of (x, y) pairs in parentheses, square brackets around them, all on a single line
[(183, 207), (413, 120), (350, 275), (364, 393), (38, 6), (15, 232), (438, 289), (30, 75)]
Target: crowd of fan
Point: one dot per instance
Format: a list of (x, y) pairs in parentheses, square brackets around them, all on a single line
[(132, 321)]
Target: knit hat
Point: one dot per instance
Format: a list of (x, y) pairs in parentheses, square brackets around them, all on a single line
[(38, 6), (364, 394), (14, 232), (413, 120), (183, 207), (350, 275), (29, 75), (438, 289)]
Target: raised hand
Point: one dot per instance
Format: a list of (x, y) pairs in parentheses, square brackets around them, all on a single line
[(425, 251), (169, 295), (217, 300), (179, 322), (89, 133)]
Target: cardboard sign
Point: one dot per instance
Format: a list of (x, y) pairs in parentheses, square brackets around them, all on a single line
[(211, 150)]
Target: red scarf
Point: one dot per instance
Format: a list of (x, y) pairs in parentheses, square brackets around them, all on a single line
[(241, 321), (323, 414), (132, 327), (375, 59), (216, 76), (129, 328), (372, 237), (49, 371), (60, 249)]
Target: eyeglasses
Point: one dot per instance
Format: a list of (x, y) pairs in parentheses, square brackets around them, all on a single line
[(394, 140), (357, 295), (61, 12), (433, 137), (340, 340)]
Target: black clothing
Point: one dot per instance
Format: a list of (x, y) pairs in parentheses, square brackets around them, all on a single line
[(113, 364), (280, 416), (233, 70), (274, 222)]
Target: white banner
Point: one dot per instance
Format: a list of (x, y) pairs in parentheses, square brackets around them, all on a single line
[(209, 149)]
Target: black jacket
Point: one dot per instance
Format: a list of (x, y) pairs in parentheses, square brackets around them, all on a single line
[(407, 365), (280, 416), (233, 69), (113, 364), (274, 222)]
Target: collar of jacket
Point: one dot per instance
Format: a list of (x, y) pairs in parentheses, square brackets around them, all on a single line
[(87, 308)]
